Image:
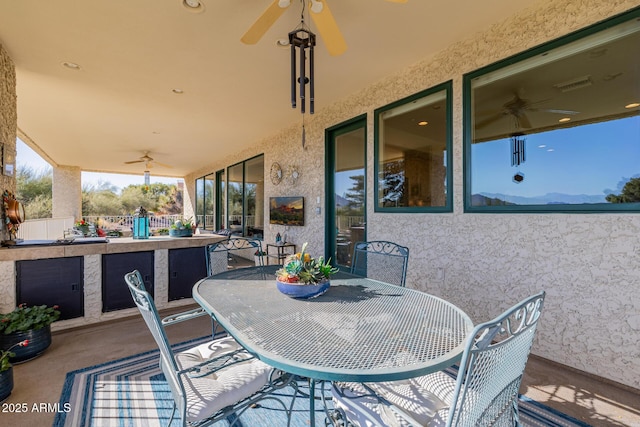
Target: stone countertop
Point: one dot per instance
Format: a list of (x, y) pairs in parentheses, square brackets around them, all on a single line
[(114, 245)]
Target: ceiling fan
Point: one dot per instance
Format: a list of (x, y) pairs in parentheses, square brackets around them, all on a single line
[(148, 161), (321, 15), (517, 108)]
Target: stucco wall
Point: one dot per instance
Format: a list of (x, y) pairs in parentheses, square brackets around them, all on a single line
[(8, 122), (67, 192), (589, 264)]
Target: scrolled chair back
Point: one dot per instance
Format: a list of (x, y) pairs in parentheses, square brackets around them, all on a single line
[(380, 260), (492, 367)]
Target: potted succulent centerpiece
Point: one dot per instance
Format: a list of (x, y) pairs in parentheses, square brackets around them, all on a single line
[(302, 276), (27, 323), (6, 370), (182, 228)]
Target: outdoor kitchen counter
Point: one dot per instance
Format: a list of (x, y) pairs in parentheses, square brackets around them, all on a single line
[(114, 245), (45, 260)]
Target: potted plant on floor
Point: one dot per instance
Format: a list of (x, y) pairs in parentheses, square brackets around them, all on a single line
[(6, 370), (27, 323)]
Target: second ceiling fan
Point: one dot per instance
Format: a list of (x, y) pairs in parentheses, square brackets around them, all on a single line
[(321, 15)]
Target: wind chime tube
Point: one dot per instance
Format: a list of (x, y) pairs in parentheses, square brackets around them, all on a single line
[(293, 73), (303, 74), (311, 79)]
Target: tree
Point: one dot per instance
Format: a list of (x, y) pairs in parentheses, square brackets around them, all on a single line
[(154, 197), (630, 193), (355, 197), (393, 184), (34, 190)]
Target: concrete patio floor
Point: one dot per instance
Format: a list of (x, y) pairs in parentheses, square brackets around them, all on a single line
[(596, 402)]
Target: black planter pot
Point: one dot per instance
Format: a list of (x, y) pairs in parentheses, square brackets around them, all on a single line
[(6, 383), (39, 341)]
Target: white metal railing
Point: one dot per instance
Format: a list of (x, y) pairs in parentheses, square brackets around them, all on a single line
[(125, 222), (54, 228), (344, 222)]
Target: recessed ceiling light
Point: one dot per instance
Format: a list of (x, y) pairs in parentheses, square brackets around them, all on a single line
[(541, 146), (565, 119), (632, 105), (551, 149), (71, 65), (423, 123), (178, 91), (193, 6)]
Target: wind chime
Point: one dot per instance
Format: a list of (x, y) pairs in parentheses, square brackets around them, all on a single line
[(518, 154), (517, 149), (301, 40)]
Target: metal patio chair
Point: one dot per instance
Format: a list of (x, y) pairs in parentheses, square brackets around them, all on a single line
[(485, 392), (214, 380), (380, 260), (235, 252)]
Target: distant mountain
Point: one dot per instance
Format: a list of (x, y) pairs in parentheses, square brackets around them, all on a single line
[(341, 201), (547, 199), (481, 200)]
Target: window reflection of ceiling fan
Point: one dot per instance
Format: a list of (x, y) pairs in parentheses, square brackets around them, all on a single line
[(517, 109), (148, 161), (321, 15)]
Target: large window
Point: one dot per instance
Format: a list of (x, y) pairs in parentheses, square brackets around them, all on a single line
[(205, 202), (413, 153), (558, 128), (245, 197)]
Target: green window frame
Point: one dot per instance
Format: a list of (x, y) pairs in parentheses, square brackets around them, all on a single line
[(413, 155), (574, 133)]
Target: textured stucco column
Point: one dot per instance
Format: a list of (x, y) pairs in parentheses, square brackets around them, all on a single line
[(67, 192), (8, 123)]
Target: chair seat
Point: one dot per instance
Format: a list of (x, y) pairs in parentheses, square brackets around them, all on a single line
[(208, 394), (426, 399)]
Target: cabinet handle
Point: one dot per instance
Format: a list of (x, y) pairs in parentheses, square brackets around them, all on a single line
[(75, 287)]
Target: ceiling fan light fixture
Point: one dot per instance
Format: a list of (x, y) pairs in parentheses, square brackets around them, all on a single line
[(147, 177), (316, 6), (284, 3)]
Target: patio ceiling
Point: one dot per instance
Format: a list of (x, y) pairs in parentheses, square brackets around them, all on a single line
[(133, 54)]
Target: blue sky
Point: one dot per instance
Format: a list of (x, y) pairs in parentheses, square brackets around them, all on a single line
[(578, 160), (25, 156)]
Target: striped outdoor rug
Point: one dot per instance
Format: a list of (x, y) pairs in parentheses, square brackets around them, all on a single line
[(132, 392)]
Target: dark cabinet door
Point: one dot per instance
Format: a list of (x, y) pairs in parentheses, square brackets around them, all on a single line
[(115, 292), (54, 281), (186, 267)]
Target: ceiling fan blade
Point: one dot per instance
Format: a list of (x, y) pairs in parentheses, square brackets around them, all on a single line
[(523, 120), (329, 31), (133, 161), (263, 23), (568, 112), (164, 165)]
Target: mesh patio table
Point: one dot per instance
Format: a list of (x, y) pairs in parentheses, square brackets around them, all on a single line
[(360, 330)]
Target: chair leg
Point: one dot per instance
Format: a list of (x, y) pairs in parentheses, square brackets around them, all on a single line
[(173, 413)]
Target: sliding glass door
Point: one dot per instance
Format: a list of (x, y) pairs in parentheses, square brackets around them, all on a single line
[(345, 189)]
